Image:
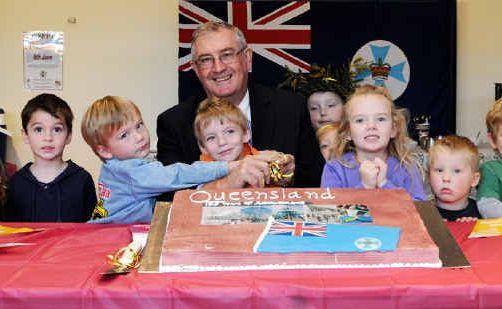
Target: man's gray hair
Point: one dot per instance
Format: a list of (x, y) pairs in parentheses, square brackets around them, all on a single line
[(214, 26)]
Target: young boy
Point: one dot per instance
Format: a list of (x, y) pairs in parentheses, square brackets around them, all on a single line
[(128, 183), (49, 189), (222, 133), (324, 107), (489, 193), (221, 130), (453, 171)]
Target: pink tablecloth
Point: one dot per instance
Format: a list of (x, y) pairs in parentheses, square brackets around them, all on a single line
[(62, 270)]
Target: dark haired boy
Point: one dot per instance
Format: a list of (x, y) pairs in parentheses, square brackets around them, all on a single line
[(49, 188)]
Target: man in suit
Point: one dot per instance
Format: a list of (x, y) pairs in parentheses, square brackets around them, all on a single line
[(279, 120)]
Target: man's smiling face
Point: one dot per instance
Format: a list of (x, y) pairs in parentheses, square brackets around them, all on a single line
[(222, 80)]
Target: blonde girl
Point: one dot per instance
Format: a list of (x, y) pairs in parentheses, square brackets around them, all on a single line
[(326, 136), (371, 151)]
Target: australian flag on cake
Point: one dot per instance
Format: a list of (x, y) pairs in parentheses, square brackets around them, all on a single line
[(288, 236), (410, 45)]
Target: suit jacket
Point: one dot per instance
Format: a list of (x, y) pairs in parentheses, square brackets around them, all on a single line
[(280, 121)]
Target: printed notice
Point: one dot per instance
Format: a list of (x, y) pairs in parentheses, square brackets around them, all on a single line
[(43, 60)]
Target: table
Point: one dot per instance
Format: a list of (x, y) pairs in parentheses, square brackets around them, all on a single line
[(62, 269)]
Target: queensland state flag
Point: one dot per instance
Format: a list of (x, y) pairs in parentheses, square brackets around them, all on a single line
[(409, 44), (287, 236)]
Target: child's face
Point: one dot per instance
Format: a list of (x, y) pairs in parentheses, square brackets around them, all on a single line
[(451, 178), (47, 136), (223, 140), (326, 142), (371, 125), (324, 107), (132, 140), (496, 139)]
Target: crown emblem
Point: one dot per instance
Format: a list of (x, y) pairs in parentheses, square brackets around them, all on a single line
[(380, 70)]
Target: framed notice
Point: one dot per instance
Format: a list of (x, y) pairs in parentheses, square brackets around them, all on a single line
[(43, 60)]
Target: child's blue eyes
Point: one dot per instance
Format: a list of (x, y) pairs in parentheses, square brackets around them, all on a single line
[(377, 119), (441, 170)]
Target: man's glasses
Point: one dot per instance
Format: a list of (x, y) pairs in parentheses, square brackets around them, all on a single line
[(227, 57)]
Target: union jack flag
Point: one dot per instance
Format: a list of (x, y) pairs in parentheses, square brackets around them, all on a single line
[(268, 35), (290, 228)]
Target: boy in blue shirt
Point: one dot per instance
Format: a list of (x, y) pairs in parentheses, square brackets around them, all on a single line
[(49, 189), (128, 182)]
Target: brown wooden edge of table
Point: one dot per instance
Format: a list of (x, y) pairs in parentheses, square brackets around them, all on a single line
[(449, 252)]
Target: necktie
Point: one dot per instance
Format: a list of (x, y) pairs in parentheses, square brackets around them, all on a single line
[(250, 133)]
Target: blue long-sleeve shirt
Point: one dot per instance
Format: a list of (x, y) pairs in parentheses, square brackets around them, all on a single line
[(346, 175), (127, 188)]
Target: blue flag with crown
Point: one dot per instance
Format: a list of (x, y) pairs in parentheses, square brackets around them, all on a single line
[(289, 236), (410, 46)]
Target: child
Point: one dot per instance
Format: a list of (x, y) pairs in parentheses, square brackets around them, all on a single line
[(489, 193), (371, 148), (324, 107), (221, 130), (128, 183), (49, 189), (325, 89), (327, 135), (453, 171), (222, 133)]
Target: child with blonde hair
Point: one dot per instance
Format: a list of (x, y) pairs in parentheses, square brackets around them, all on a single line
[(326, 136), (489, 193), (222, 133), (129, 182), (453, 171), (371, 151)]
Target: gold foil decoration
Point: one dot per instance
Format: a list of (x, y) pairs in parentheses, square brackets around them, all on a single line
[(278, 175), (8, 230), (125, 259)]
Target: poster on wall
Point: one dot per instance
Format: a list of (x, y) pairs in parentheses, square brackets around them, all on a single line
[(43, 60)]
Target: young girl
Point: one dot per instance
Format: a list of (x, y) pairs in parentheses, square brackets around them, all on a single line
[(371, 147), (326, 136)]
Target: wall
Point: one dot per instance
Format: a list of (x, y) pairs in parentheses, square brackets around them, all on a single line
[(120, 47), (479, 62), (129, 48)]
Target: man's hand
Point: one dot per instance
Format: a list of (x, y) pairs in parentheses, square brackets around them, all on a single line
[(281, 167), (288, 164)]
